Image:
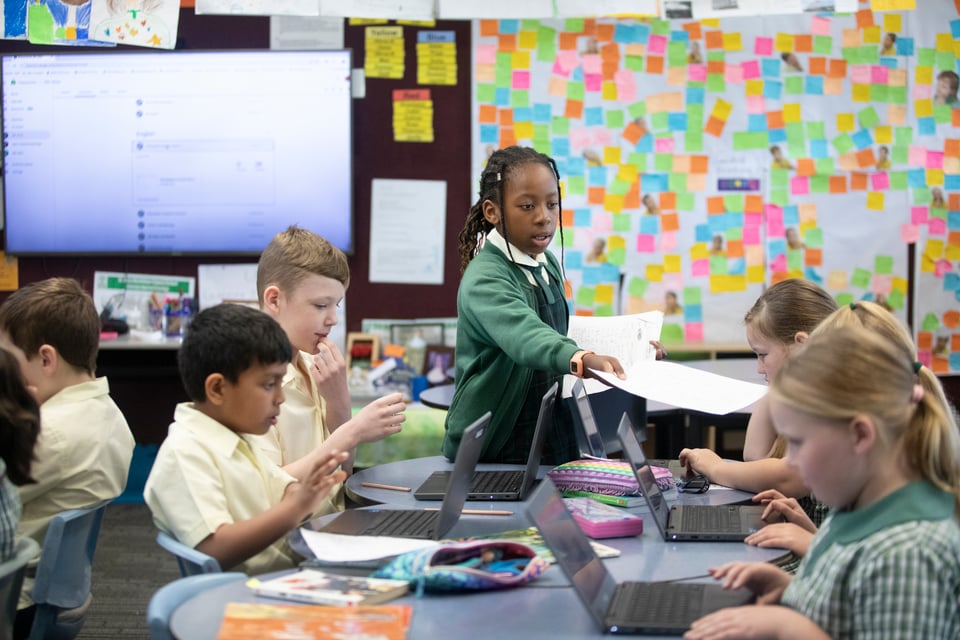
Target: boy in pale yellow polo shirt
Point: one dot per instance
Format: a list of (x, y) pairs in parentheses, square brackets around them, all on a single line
[(83, 452), (301, 279), (210, 487)]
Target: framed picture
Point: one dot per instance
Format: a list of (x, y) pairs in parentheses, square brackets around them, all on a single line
[(437, 364), (363, 349), (429, 332)]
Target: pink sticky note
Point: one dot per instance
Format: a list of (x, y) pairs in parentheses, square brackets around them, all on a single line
[(558, 70), (942, 266), (672, 280), (603, 137), (664, 145), (646, 243), (860, 73), (918, 215), (882, 284), (926, 358), (486, 53), (763, 46), (693, 331), (775, 228), (751, 69), (521, 79), (752, 220), (879, 74), (756, 104), (733, 73), (773, 213), (934, 159), (602, 222), (668, 241), (909, 233), (624, 76), (918, 155), (922, 91), (657, 44), (569, 60), (579, 139), (700, 267), (592, 63), (779, 263), (592, 82), (799, 185), (751, 235), (697, 73), (820, 26), (937, 226), (881, 181), (627, 92)]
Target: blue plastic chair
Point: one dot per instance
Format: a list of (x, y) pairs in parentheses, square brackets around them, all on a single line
[(165, 601), (190, 561), (11, 579), (61, 590)]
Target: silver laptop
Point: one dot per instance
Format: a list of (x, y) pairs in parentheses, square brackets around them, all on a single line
[(682, 523), (638, 608), (421, 523), (503, 484)]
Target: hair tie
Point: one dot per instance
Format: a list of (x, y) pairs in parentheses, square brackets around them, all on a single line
[(917, 394), (917, 365), (853, 305)]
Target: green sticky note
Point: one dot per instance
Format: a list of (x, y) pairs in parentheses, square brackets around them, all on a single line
[(486, 93), (660, 27), (937, 212), (921, 196), (823, 45), (542, 145), (615, 119), (671, 333), (813, 237), (860, 278), (503, 77), (639, 160), (930, 322), (634, 63), (896, 299), (779, 177), (560, 126), (546, 51), (883, 265), (795, 131), (843, 143), (868, 117), (824, 166), (693, 143), (692, 295), (585, 296), (897, 95), (617, 256), (898, 179), (794, 260), (618, 187), (662, 162), (879, 93), (576, 91), (637, 110), (926, 57), (716, 83), (793, 85), (541, 132), (843, 299), (621, 223), (820, 183), (715, 56), (946, 60), (528, 24), (660, 121), (604, 310), (780, 197), (816, 130), (734, 202), (576, 185), (677, 182), (573, 25), (942, 113), (849, 54), (733, 233), (796, 149), (903, 136), (637, 287), (694, 115), (677, 54), (567, 239), (718, 265), (685, 201), (870, 54), (520, 98), (743, 140)]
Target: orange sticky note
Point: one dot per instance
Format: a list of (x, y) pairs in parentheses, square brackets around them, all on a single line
[(951, 148), (714, 126), (924, 340), (837, 68), (699, 164), (838, 184), (605, 32), (574, 109), (508, 43), (654, 64), (803, 43), (806, 167), (507, 137), (818, 66), (567, 42), (669, 222), (506, 117), (489, 27), (866, 158), (633, 132), (714, 39), (488, 114), (753, 204), (813, 258), (715, 205), (775, 120), (864, 18), (693, 29), (668, 200), (595, 195)]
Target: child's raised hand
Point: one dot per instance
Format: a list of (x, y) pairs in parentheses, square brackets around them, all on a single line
[(317, 482), (661, 352), (329, 370), (762, 578), (381, 418), (782, 535), (602, 363), (699, 461)]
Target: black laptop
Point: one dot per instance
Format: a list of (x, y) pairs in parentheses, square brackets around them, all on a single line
[(421, 523), (503, 484), (638, 608), (683, 523)]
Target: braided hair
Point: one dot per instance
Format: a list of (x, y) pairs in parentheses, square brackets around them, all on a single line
[(501, 165)]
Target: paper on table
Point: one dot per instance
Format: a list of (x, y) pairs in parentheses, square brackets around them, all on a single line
[(334, 547), (686, 387)]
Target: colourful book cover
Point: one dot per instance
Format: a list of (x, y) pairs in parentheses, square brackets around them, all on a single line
[(255, 621), (319, 587)]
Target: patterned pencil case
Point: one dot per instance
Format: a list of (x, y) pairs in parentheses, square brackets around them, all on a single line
[(604, 476), (475, 565)]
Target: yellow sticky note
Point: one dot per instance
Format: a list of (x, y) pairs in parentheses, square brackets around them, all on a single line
[(927, 264), (952, 253), (616, 242), (9, 272), (837, 280), (523, 130), (520, 59), (875, 201), (732, 41), (611, 155), (528, 40), (944, 42), (923, 75), (654, 273), (883, 134), (893, 5), (699, 251), (613, 203), (935, 176), (711, 22), (628, 173), (672, 263), (892, 22), (872, 35), (756, 274), (609, 91), (861, 93), (791, 112), (846, 122), (603, 294), (923, 108), (784, 43), (934, 249), (753, 87), (722, 109)]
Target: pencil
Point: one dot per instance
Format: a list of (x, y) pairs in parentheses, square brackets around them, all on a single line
[(377, 485), (478, 512)]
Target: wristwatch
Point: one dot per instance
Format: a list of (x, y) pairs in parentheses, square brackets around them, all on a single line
[(576, 362)]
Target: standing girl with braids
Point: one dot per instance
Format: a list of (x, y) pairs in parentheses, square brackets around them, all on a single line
[(512, 314), (871, 433)]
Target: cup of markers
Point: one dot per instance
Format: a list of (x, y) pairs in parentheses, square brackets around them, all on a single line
[(176, 316)]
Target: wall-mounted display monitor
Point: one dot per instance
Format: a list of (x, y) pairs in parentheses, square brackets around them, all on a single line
[(175, 153)]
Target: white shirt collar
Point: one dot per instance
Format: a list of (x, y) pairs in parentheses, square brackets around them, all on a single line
[(519, 257)]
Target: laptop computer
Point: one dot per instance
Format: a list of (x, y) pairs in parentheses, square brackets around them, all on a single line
[(683, 523), (638, 608), (421, 523), (503, 484)]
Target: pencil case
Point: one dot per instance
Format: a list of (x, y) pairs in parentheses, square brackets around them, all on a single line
[(475, 565), (604, 477)]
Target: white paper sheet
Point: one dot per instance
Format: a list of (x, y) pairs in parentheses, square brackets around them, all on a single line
[(140, 24), (334, 547), (686, 387), (305, 32), (407, 230), (627, 338), (259, 7)]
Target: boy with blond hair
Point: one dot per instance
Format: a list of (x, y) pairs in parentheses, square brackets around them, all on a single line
[(301, 280), (83, 452), (210, 487)]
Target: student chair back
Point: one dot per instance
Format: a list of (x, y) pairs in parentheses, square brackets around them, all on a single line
[(166, 600), (190, 561), (62, 587), (11, 579)]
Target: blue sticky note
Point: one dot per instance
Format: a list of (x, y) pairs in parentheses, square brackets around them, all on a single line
[(593, 116), (645, 144), (561, 148), (777, 247), (703, 234), (642, 33), (777, 135), (736, 266), (814, 85), (597, 176), (679, 36), (624, 33), (889, 63), (523, 114), (791, 215), (773, 89), (917, 178), (573, 259), (501, 97), (905, 46), (811, 274), (541, 112), (562, 165), (955, 28), (693, 312), (818, 149), (577, 74), (953, 220), (927, 126), (677, 121), (951, 281), (695, 95), (489, 133), (609, 273), (951, 182), (592, 275), (757, 122), (770, 67), (509, 26), (576, 166), (954, 361), (653, 183), (734, 220), (862, 139), (717, 224), (649, 225), (581, 218)]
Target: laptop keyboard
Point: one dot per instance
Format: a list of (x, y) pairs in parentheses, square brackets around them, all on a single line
[(662, 602), (404, 524), (496, 481), (710, 519)]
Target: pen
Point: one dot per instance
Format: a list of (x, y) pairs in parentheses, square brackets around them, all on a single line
[(377, 485), (478, 512)]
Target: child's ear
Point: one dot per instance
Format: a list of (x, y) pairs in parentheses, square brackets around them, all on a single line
[(801, 337), (213, 387), (491, 212), (49, 359), (864, 433), (271, 298)]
